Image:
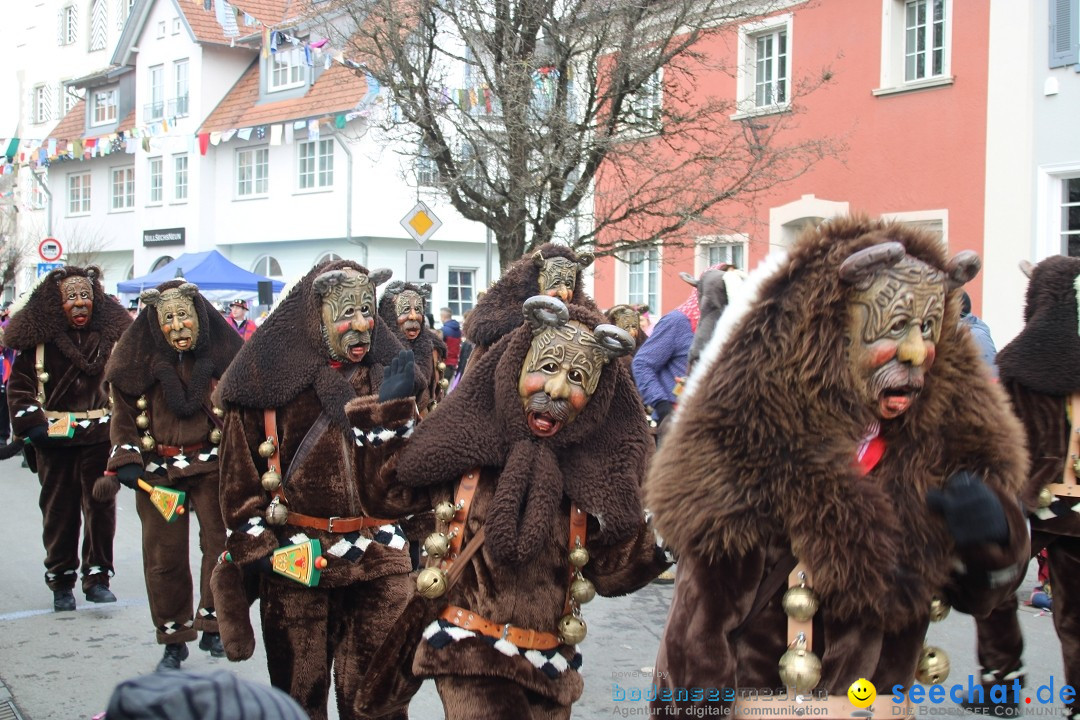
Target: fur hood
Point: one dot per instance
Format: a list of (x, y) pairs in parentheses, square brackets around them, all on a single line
[(765, 438), (424, 343), (288, 355), (143, 346), (1045, 355), (42, 320), (597, 460), (498, 311)]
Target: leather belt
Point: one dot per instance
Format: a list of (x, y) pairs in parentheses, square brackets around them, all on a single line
[(174, 450), (78, 414), (521, 637), (336, 524)]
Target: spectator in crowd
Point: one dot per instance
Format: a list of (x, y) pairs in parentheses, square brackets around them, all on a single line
[(133, 308), (451, 335), (183, 695), (238, 310), (7, 357), (980, 331)]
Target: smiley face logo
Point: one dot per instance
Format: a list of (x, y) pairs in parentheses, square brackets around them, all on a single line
[(862, 693)]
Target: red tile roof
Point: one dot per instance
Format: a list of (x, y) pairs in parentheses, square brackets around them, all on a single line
[(269, 12), (73, 125), (337, 90), (204, 22)]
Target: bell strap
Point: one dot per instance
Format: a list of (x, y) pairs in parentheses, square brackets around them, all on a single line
[(463, 496), (800, 575), (39, 361), (576, 539), (1068, 486), (765, 592), (270, 428), (337, 524), (521, 637)]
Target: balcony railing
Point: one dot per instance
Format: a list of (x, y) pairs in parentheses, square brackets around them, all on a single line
[(178, 107), (154, 111)]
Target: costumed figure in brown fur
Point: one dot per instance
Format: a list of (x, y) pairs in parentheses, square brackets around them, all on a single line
[(627, 319), (295, 488), (840, 472), (59, 403), (553, 270), (1039, 371), (165, 434), (403, 307), (533, 466)]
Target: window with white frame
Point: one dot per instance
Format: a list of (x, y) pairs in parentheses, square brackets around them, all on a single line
[(764, 80), (176, 26), (1064, 33), (327, 257), (645, 105), (180, 177), (315, 164), (99, 30), (714, 250), (155, 110), (267, 266), (68, 98), (156, 180), (916, 49), (104, 107), (252, 172), (287, 69), (643, 277), (123, 188), (1070, 216), (161, 29), (67, 25), (179, 106), (161, 262), (42, 108), (461, 290), (36, 197), (427, 172), (78, 186)]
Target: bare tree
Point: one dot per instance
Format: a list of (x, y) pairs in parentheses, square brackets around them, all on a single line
[(83, 246), (530, 114)]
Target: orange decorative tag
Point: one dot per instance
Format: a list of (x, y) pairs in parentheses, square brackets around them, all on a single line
[(62, 427)]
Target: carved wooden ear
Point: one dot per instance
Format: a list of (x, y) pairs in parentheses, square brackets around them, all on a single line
[(325, 282), (150, 297), (585, 259), (378, 277), (394, 288), (962, 268), (1027, 267), (425, 291), (542, 311), (93, 272), (688, 279), (615, 341), (189, 290), (862, 264), (538, 259)]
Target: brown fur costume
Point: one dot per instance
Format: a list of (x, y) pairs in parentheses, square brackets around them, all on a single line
[(519, 576), (343, 619), (75, 361), (760, 465), (425, 347), (176, 388), (1038, 371)]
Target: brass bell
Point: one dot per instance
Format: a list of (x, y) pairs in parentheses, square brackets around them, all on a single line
[(445, 511), (800, 603), (582, 591), (271, 480), (147, 442), (43, 377), (276, 513), (437, 545), (800, 668), (1076, 465), (142, 421), (579, 557), (933, 666), (572, 629), (267, 448), (141, 402), (218, 411), (441, 366), (939, 609), (38, 367), (1046, 498), (431, 583), (215, 436), (443, 384)]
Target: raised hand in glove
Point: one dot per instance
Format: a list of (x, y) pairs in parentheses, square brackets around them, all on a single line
[(39, 435), (398, 377), (129, 474), (972, 511)]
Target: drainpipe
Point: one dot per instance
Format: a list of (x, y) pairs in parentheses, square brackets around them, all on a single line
[(348, 188), (48, 203)]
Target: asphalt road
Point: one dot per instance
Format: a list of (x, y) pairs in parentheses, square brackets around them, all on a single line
[(65, 665)]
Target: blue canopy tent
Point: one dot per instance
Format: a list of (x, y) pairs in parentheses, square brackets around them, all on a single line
[(209, 270)]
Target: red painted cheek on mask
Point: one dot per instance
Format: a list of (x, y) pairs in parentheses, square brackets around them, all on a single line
[(578, 398), (880, 353), (189, 324), (931, 353), (533, 383), (343, 327)]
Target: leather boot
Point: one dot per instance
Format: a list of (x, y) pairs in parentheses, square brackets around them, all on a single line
[(212, 642), (175, 653), (63, 600), (100, 594)]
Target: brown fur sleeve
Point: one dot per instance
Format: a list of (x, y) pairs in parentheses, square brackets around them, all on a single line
[(22, 394), (380, 494), (123, 432), (243, 500), (627, 566)]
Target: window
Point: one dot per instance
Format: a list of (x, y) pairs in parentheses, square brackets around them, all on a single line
[(460, 290), (764, 80), (42, 106), (176, 26), (287, 69), (915, 49), (99, 19), (644, 106), (69, 99), (730, 249), (315, 163), (123, 9), (327, 257), (252, 172), (155, 180), (267, 266), (642, 278), (36, 198), (180, 177), (67, 28), (179, 106), (104, 102), (161, 262), (1070, 216), (427, 172), (161, 29), (78, 193), (1064, 33), (156, 109), (123, 188), (771, 69)]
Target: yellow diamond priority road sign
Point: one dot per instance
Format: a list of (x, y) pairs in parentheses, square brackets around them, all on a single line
[(421, 223)]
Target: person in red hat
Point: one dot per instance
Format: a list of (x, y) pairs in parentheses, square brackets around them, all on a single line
[(238, 310)]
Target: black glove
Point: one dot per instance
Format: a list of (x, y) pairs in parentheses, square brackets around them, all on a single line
[(39, 435), (972, 511), (398, 377), (128, 474), (662, 408)]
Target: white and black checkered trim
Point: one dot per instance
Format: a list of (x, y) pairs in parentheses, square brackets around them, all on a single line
[(27, 410), (352, 546), (441, 633), (125, 447), (1059, 508), (172, 627), (380, 435), (255, 526), (207, 614)]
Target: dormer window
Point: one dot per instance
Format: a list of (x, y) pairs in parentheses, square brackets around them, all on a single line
[(287, 70), (103, 107)]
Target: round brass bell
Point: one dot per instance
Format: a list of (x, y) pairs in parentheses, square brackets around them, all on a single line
[(443, 384), (800, 603), (572, 629), (141, 402), (271, 480), (437, 545), (142, 421), (43, 377), (442, 367), (267, 448), (933, 667), (1046, 498), (1076, 465), (276, 513), (147, 442), (38, 367), (218, 411), (215, 436), (800, 669), (579, 557), (445, 511), (582, 591), (939, 609), (431, 583)]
